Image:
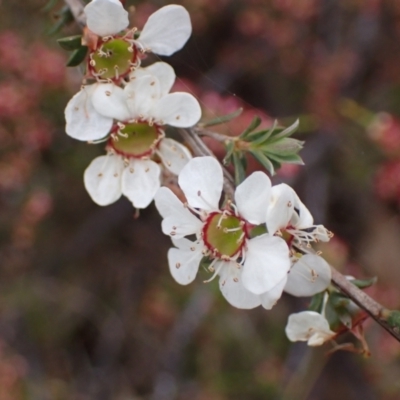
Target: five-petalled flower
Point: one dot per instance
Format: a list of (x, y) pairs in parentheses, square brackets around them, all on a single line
[(117, 51), (252, 271)]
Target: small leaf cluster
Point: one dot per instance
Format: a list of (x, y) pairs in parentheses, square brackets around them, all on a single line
[(338, 309), (271, 147)]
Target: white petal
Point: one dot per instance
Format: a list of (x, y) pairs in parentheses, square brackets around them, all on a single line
[(281, 208), (140, 182), (270, 298), (106, 17), (232, 288), (308, 276), (308, 326), (83, 121), (173, 155), (164, 73), (167, 30), (109, 100), (302, 218), (141, 95), (177, 109), (103, 179), (266, 265), (177, 218), (201, 180), (252, 197), (184, 261)]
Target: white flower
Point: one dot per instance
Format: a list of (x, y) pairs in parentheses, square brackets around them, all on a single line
[(287, 215), (252, 271), (117, 51), (135, 115), (310, 327)]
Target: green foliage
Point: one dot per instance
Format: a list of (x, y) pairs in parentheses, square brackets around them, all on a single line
[(364, 283), (77, 56), (70, 43), (64, 17), (270, 147), (222, 119)]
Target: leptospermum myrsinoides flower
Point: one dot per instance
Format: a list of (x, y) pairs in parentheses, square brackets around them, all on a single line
[(115, 52), (288, 216), (134, 118), (252, 271)]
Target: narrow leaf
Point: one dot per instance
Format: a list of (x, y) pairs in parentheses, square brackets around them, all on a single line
[(222, 119), (261, 136), (364, 283), (50, 4), (240, 172), (229, 148), (287, 131), (77, 56), (71, 42), (253, 125), (265, 162)]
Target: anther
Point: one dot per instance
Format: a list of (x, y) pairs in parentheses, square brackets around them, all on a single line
[(177, 265)]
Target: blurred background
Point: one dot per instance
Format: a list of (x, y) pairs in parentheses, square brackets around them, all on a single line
[(88, 309)]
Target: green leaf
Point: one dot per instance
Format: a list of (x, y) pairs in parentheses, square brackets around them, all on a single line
[(254, 137), (290, 159), (64, 17), (364, 283), (71, 42), (253, 125), (283, 147), (77, 56), (264, 160), (50, 5), (222, 119), (337, 300), (316, 302), (287, 131), (240, 169), (229, 148)]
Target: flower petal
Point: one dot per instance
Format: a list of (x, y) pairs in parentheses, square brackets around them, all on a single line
[(232, 288), (102, 179), (252, 197), (140, 182), (178, 220), (266, 265), (142, 94), (106, 17), (201, 180), (177, 109), (83, 121), (109, 100), (185, 260), (270, 298), (308, 276), (308, 326), (281, 208), (173, 155), (302, 218), (163, 72), (166, 30)]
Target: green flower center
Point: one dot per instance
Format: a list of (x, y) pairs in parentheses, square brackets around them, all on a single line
[(224, 234), (113, 59), (135, 140)]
